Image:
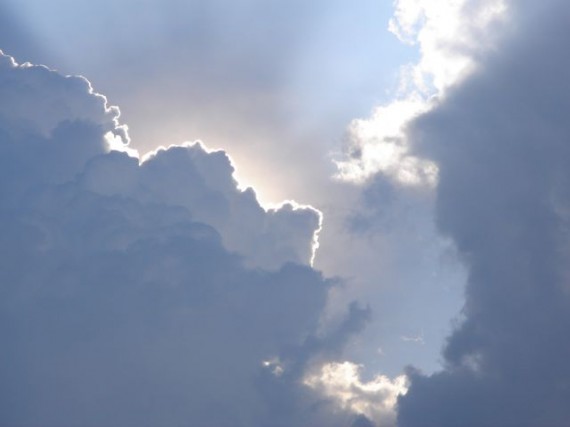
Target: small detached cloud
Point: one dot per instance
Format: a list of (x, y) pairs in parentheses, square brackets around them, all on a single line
[(147, 293)]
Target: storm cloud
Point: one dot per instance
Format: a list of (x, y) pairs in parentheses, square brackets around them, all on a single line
[(500, 140)]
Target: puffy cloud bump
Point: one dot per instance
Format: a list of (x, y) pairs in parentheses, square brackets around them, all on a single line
[(127, 297)]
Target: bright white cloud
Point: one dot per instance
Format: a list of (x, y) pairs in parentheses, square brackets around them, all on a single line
[(376, 399), (450, 34)]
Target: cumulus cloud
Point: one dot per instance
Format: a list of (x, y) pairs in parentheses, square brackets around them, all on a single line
[(202, 182), (450, 36), (375, 399), (129, 293), (55, 100), (500, 141), (67, 108)]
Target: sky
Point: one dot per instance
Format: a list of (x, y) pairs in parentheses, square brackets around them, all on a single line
[(284, 213)]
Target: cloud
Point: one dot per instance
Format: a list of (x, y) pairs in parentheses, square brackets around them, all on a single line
[(450, 36), (405, 269), (144, 294), (55, 98), (375, 400), (65, 107), (500, 143), (262, 81), (266, 238)]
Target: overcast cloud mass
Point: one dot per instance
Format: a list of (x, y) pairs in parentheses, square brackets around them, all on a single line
[(422, 281)]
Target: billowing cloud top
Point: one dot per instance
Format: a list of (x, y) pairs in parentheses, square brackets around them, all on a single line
[(451, 35), (126, 293), (43, 114), (144, 292)]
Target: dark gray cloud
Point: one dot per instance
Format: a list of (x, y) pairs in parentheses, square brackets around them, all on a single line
[(121, 304), (501, 142)]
